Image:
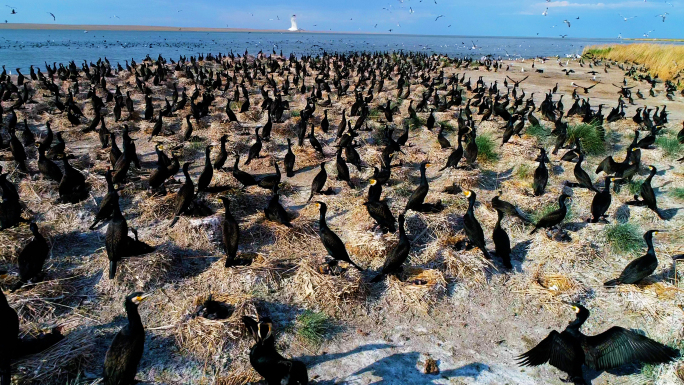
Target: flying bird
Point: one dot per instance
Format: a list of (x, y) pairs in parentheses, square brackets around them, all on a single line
[(54, 18), (438, 17), (626, 18), (567, 22), (648, 33), (14, 11), (546, 12), (410, 10), (664, 15), (563, 36)]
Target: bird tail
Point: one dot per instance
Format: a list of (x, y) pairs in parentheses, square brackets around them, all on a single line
[(173, 222), (534, 230), (612, 282), (522, 216), (355, 265), (635, 203), (378, 278), (40, 343), (112, 269), (97, 220), (17, 286)]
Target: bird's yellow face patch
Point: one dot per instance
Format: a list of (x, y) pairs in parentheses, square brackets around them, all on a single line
[(467, 193), (139, 299), (428, 164), (373, 182), (650, 167), (161, 146), (655, 233), (576, 309)]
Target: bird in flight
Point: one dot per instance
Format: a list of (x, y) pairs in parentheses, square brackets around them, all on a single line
[(54, 18), (664, 15), (648, 33), (410, 10), (546, 12), (438, 17), (14, 11), (563, 36), (567, 22), (626, 18)]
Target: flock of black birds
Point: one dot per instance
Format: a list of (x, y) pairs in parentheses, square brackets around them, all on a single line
[(273, 79)]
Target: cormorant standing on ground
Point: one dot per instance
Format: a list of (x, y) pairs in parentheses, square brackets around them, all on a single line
[(124, 354), (641, 267), (333, 244)]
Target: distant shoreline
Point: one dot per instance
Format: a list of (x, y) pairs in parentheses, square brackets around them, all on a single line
[(149, 28), (649, 39)]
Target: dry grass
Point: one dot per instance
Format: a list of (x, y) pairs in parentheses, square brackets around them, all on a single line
[(205, 338), (58, 361), (239, 376), (416, 289), (659, 58), (333, 294)]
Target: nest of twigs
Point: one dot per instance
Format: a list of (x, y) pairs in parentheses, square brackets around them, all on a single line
[(40, 300), (468, 266), (56, 362), (205, 337), (332, 290), (651, 298), (416, 288), (548, 289), (137, 273)]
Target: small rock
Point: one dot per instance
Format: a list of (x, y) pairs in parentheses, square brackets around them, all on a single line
[(431, 366)]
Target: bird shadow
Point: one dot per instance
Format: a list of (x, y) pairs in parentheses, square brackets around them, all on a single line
[(491, 180), (403, 367), (668, 214), (519, 253)]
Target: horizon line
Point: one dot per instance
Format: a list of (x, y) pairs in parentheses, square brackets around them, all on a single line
[(155, 28)]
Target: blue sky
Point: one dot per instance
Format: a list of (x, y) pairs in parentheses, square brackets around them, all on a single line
[(485, 17)]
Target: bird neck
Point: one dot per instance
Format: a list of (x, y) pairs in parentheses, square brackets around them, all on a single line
[(134, 321), (649, 242), (606, 188), (321, 220), (499, 218), (471, 204), (423, 178), (578, 322)]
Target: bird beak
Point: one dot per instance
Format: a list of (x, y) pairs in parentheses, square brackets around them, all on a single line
[(141, 298)]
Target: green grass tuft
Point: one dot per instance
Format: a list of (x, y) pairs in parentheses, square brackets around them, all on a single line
[(634, 186), (523, 171), (623, 238), (540, 132), (313, 327), (294, 113), (549, 207), (415, 123), (486, 148), (374, 113), (669, 144), (404, 190), (447, 125), (678, 192), (590, 137)]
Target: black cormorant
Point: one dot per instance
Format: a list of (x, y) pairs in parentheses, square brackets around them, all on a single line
[(333, 244), (617, 346)]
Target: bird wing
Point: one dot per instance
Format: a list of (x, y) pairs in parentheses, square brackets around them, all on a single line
[(618, 346), (552, 349)]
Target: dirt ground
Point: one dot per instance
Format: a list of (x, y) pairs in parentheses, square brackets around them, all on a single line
[(473, 316)]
